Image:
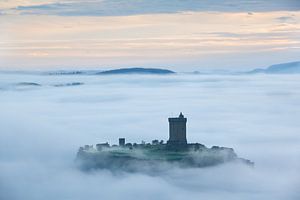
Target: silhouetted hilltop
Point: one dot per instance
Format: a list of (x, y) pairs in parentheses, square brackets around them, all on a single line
[(28, 84), (136, 71), (156, 156), (68, 84), (283, 68)]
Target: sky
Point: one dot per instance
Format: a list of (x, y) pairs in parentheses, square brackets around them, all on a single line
[(43, 126), (44, 120), (180, 35)]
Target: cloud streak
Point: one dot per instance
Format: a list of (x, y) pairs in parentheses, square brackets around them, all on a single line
[(131, 7)]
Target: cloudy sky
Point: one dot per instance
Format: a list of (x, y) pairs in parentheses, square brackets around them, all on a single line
[(43, 121), (183, 35)]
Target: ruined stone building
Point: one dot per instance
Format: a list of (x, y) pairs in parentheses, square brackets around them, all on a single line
[(177, 130)]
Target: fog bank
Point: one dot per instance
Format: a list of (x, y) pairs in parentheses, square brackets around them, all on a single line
[(43, 126)]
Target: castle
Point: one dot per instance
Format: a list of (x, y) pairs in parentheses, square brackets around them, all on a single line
[(177, 138), (132, 156), (177, 133), (177, 130)]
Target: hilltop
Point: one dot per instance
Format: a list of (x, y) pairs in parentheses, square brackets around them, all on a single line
[(157, 156), (136, 71), (283, 68)]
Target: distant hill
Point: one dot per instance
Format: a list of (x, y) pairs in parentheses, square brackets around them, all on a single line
[(112, 72), (61, 72), (284, 68), (71, 72), (136, 71)]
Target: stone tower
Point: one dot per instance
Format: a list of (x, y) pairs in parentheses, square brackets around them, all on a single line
[(177, 130), (121, 141)]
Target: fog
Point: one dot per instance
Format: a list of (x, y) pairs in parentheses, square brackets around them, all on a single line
[(45, 119)]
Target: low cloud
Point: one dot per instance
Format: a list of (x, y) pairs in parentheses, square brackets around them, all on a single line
[(287, 19), (42, 129)]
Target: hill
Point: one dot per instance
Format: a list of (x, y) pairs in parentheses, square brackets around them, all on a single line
[(136, 71), (283, 68)]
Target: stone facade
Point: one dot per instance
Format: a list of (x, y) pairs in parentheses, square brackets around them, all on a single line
[(121, 141), (177, 130)]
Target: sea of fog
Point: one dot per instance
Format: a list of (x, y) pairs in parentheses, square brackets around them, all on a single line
[(45, 119)]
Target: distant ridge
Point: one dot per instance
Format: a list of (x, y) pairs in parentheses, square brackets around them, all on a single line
[(72, 72), (283, 68), (136, 71), (62, 72)]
